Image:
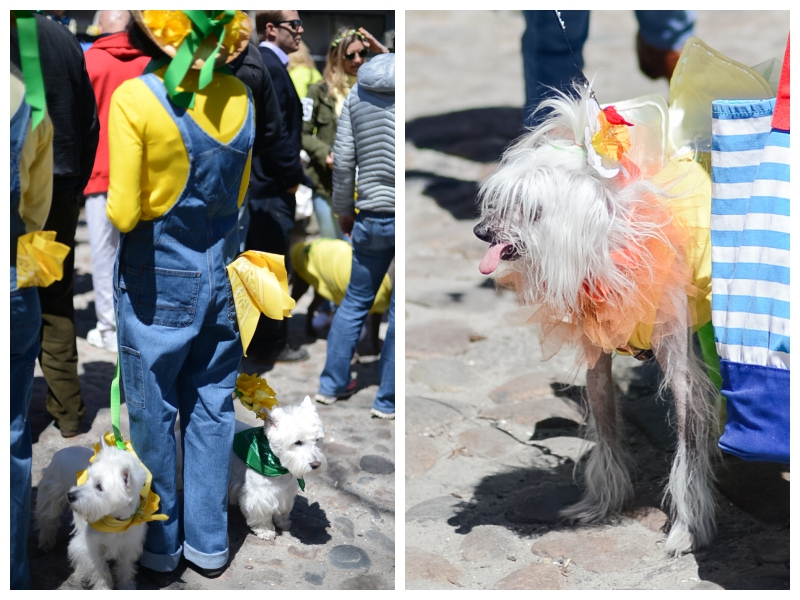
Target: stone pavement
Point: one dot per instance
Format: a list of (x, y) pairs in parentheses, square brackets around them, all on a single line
[(343, 526), (492, 433)]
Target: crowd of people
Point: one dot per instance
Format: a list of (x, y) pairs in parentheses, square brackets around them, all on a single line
[(187, 152)]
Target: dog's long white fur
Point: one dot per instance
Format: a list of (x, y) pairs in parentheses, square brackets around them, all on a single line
[(115, 480), (563, 219)]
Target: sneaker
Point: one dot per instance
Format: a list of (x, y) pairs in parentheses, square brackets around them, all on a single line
[(105, 341), (349, 391), (381, 415), (288, 354)]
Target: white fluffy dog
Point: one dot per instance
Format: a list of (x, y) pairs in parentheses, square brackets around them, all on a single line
[(295, 435), (114, 482), (576, 242)]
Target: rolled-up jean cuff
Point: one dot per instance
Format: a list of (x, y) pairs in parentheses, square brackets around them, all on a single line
[(205, 561), (163, 563)]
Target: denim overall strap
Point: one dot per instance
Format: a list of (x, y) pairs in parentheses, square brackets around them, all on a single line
[(19, 133)]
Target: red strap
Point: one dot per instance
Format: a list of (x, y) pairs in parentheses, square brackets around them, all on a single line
[(781, 118)]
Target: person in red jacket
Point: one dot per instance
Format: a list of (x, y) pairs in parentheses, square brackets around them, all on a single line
[(110, 61)]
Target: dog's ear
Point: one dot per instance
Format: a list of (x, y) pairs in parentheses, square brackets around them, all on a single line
[(126, 478), (307, 403)]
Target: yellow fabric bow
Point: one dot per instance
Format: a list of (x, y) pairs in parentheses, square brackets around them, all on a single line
[(260, 285), (148, 499), (40, 259)]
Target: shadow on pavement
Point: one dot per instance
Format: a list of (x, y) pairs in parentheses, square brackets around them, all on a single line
[(454, 195), (479, 134)]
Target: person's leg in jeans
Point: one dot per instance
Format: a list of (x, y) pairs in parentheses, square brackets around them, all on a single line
[(546, 57), (373, 251), (384, 400), (328, 224), (25, 325), (103, 239), (59, 352)]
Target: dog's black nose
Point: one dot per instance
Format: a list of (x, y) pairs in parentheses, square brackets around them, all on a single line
[(482, 232), (71, 497), (315, 464)]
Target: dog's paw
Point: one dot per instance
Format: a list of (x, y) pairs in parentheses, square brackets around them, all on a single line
[(679, 541), (265, 534)]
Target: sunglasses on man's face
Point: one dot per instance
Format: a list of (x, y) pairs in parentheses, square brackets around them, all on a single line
[(363, 54), (294, 24)]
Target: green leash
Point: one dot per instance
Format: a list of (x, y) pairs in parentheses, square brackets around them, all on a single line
[(115, 406)]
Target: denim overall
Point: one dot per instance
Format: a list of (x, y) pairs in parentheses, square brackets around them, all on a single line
[(25, 323), (179, 345)]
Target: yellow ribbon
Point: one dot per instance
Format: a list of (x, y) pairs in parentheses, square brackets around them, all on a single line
[(260, 285), (148, 499), (40, 259)]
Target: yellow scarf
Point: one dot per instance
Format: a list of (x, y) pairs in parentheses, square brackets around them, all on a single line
[(148, 499)]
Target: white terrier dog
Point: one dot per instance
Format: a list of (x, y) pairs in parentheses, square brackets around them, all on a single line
[(588, 247), (295, 436), (114, 482)]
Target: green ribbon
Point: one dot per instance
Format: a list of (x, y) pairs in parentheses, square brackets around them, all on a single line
[(252, 447), (203, 25), (31, 65)]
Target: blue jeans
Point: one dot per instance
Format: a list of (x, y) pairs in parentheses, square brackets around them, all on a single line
[(26, 322), (373, 251), (328, 223), (548, 62)]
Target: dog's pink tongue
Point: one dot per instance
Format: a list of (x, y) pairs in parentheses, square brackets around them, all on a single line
[(492, 258)]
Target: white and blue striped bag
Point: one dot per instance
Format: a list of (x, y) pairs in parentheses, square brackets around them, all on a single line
[(750, 276)]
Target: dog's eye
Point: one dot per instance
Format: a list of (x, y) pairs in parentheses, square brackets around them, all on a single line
[(99, 487), (298, 443)]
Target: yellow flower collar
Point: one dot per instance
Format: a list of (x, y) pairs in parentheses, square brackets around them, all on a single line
[(148, 499)]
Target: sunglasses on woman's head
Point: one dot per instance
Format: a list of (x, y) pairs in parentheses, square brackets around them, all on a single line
[(363, 54), (294, 24)]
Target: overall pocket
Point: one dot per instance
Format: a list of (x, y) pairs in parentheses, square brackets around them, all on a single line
[(166, 297)]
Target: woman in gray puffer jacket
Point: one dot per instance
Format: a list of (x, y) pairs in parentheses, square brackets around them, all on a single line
[(364, 155)]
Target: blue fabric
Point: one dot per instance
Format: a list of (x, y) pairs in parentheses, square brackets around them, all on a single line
[(751, 277), (373, 251), (179, 343), (25, 322), (758, 412)]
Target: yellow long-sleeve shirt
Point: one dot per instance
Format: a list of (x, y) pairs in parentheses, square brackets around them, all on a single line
[(148, 163), (35, 165)]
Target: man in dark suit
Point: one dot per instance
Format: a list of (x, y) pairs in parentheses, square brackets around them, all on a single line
[(277, 172)]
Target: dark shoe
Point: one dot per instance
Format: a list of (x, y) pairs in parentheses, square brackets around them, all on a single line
[(656, 62), (68, 433), (288, 354), (349, 391), (208, 573), (159, 579)]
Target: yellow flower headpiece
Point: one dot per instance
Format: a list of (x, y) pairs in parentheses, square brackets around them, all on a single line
[(348, 33), (169, 28), (148, 499), (255, 394)]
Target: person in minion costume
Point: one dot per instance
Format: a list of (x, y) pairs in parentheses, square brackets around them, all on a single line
[(180, 139)]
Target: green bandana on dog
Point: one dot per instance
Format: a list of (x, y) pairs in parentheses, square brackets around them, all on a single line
[(252, 447)]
